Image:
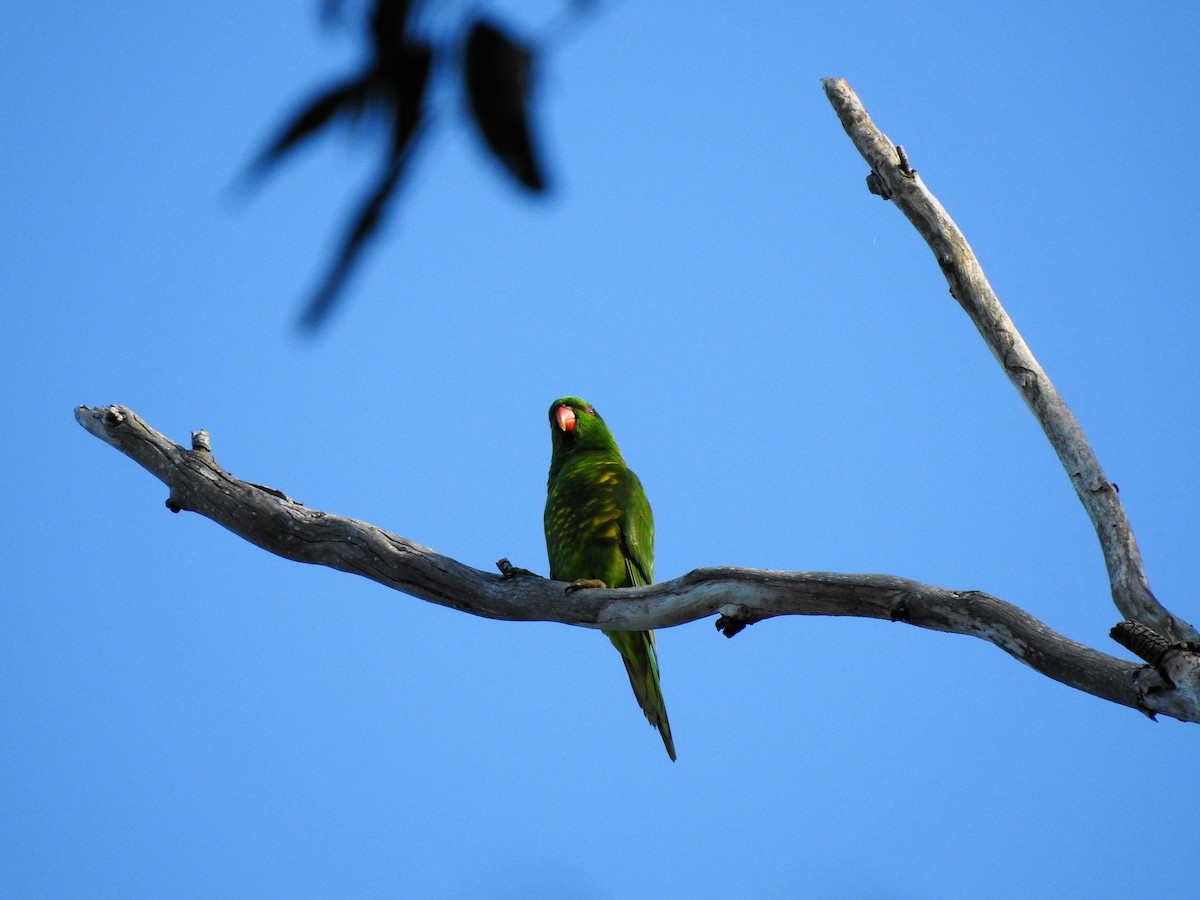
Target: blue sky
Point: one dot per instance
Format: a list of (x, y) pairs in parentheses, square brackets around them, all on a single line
[(777, 354)]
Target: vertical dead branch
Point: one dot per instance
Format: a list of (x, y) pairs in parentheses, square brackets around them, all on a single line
[(894, 179)]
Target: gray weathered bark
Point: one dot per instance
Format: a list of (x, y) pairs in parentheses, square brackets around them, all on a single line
[(273, 521), (894, 179)]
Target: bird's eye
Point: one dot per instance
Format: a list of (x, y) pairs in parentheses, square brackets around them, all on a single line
[(591, 410)]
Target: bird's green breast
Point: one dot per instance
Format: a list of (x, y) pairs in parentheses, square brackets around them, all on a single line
[(588, 524)]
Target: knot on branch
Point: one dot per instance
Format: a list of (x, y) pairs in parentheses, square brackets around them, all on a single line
[(508, 570), (1177, 662), (877, 186), (900, 611), (736, 620), (274, 492), (1142, 641)]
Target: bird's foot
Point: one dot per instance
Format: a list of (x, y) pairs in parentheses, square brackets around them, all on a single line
[(580, 583)]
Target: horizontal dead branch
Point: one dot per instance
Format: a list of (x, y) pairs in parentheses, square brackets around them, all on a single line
[(271, 520)]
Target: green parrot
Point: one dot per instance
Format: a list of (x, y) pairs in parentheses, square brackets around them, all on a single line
[(600, 533)]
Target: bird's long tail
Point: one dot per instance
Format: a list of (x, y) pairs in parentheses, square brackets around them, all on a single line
[(641, 662)]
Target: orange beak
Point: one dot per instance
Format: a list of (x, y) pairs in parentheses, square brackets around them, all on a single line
[(566, 418)]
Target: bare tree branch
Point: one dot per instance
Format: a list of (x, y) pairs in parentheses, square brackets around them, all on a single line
[(894, 179), (1170, 684), (269, 519)]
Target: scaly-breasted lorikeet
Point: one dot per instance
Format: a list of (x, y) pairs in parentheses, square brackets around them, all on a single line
[(600, 533)]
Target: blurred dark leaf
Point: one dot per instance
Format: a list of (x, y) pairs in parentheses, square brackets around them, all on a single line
[(365, 224), (350, 97), (400, 81), (389, 24), (389, 92), (497, 74), (408, 81), (392, 85)]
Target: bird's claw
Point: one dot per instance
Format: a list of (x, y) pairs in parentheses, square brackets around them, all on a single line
[(580, 583)]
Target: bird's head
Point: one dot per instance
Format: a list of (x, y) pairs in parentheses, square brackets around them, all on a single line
[(575, 426)]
